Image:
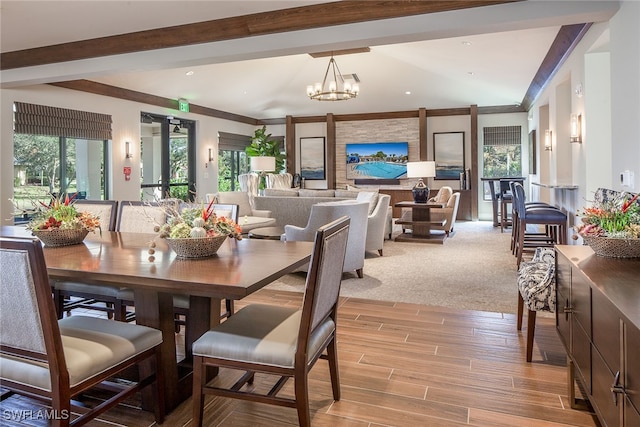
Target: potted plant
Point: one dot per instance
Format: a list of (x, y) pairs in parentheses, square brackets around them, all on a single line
[(263, 145)]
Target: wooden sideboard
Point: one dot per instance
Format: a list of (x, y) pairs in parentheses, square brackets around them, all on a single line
[(405, 195), (598, 321)]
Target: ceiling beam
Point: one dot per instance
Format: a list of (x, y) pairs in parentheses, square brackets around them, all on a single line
[(278, 21), (566, 40)]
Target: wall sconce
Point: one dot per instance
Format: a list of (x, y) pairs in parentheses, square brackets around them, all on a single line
[(206, 165), (576, 128), (127, 150), (547, 140)]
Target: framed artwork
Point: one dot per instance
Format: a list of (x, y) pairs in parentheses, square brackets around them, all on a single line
[(532, 152), (448, 153), (312, 164)]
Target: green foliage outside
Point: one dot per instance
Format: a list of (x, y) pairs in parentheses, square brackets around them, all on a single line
[(502, 160)]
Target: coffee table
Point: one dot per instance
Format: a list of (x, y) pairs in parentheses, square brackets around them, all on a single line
[(269, 233)]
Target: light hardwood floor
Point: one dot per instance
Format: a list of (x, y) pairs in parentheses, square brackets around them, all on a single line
[(401, 365)]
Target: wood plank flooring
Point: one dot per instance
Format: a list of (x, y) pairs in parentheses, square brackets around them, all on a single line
[(400, 365)]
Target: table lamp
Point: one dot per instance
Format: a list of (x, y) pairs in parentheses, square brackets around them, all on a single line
[(421, 170), (262, 164)]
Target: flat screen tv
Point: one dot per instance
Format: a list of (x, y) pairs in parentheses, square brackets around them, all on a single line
[(377, 160)]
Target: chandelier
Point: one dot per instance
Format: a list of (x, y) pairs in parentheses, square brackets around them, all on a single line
[(338, 89)]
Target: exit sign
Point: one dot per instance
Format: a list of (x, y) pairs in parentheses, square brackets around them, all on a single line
[(183, 105)]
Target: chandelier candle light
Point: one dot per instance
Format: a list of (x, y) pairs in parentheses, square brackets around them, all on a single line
[(426, 169), (338, 89)]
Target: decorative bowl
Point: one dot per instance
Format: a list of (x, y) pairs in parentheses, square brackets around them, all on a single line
[(60, 237), (196, 247), (613, 247)]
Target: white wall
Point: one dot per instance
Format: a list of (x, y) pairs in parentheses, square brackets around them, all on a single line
[(606, 66), (126, 127)]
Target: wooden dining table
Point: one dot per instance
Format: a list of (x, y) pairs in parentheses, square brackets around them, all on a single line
[(123, 259)]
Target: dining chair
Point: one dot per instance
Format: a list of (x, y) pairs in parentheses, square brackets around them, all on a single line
[(536, 290), (60, 360), (279, 340), (72, 295)]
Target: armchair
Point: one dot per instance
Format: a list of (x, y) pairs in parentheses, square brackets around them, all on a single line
[(378, 224), (279, 180), (324, 213), (449, 212), (248, 217)]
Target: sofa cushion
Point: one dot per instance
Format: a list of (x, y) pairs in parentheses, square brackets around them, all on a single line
[(316, 193), (347, 194), (281, 192)]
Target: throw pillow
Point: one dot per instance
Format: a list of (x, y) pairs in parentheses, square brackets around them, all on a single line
[(280, 192), (369, 197), (316, 193)]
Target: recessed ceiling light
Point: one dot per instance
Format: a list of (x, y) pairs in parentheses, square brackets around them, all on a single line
[(408, 92), (471, 73), (189, 73), (466, 43)]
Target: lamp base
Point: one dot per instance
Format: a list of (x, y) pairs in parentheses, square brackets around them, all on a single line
[(420, 192)]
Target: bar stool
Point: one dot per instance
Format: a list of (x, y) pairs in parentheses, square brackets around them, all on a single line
[(554, 220), (506, 198), (529, 235)]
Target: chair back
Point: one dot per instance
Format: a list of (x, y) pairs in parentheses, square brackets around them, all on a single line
[(106, 210), (141, 217), (249, 183), (27, 315), (518, 200), (323, 280), (280, 180)]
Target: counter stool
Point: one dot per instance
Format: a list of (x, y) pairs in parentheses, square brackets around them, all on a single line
[(554, 220)]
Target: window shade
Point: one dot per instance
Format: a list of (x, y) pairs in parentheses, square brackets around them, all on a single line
[(35, 119), (232, 142), (502, 135), (235, 142)]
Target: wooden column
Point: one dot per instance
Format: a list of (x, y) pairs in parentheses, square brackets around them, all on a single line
[(331, 151), (290, 145), (422, 126), (474, 162)]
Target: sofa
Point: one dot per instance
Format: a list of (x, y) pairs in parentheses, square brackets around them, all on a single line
[(293, 207)]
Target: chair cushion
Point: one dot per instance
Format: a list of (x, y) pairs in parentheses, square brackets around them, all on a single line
[(536, 283), (91, 346), (260, 333), (369, 197), (248, 223), (545, 214), (84, 288)]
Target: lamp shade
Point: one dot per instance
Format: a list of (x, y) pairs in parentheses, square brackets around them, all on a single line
[(263, 164), (424, 169)]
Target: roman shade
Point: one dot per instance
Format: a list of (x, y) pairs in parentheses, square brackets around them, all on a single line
[(36, 119)]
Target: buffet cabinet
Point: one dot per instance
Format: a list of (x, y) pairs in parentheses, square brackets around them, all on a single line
[(598, 321)]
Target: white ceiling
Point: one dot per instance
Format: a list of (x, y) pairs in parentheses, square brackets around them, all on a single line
[(485, 56)]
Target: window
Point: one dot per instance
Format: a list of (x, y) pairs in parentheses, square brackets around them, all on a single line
[(232, 160), (53, 154), (502, 153)]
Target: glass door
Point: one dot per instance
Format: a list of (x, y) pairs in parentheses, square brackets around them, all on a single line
[(167, 158)]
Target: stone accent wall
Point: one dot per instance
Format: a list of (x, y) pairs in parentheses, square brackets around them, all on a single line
[(387, 130)]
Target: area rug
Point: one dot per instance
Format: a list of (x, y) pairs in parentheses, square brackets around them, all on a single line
[(473, 270)]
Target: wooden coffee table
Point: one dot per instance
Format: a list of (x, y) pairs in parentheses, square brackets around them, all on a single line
[(269, 233), (420, 220)]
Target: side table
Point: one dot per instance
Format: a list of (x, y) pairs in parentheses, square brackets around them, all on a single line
[(420, 220), (269, 233)]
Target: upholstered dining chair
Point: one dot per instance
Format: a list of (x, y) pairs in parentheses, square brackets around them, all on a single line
[(279, 340), (71, 295), (59, 360), (536, 290)]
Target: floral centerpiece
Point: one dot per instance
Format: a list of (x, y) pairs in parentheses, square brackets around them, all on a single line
[(612, 227), (61, 224), (198, 232)]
